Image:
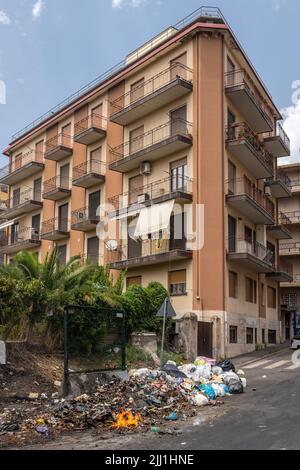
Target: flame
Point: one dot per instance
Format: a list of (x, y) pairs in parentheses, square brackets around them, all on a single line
[(126, 420)]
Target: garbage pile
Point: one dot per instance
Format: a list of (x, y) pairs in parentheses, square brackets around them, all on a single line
[(148, 401)]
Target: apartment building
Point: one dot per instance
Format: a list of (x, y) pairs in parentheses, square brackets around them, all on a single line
[(290, 251), (3, 206), (184, 121)]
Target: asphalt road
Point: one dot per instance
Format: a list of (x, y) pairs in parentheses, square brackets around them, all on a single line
[(266, 417)]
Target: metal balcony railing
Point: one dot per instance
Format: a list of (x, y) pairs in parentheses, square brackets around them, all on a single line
[(289, 247), (238, 78), (94, 120), (145, 248), (84, 214), (243, 186), (283, 219), (280, 132), (59, 140), (256, 249), (88, 167), (20, 161), (56, 224), (145, 89), (154, 136), (293, 217), (25, 234), (23, 197), (57, 182), (151, 191), (239, 132)]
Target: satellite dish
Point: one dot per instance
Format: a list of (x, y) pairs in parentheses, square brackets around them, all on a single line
[(112, 245)]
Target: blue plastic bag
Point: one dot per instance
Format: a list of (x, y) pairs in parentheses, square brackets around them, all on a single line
[(208, 391)]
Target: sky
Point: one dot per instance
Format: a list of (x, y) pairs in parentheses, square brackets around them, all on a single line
[(51, 48)]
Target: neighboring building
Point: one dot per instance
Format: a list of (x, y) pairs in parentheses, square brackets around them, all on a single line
[(290, 252), (184, 119), (3, 207)]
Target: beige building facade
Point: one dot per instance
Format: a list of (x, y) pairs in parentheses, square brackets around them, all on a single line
[(184, 127)]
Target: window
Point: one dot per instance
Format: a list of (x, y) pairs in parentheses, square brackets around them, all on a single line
[(271, 253), (250, 336), (251, 291), (290, 299), (177, 282), (230, 125), (272, 336), (178, 66), (178, 172), (93, 249), (233, 331), (233, 285), (136, 138), (36, 226), (62, 254), (250, 235), (256, 332), (178, 121), (263, 336), (231, 177), (231, 234), (97, 114), (133, 281), (66, 135), (271, 297), (137, 90)]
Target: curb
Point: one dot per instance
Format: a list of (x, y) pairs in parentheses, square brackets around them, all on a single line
[(271, 354)]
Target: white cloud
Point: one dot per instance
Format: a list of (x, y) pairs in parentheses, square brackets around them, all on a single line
[(4, 18), (128, 3), (277, 5), (37, 9), (291, 126)]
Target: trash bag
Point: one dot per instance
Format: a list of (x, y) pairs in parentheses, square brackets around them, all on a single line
[(173, 371), (199, 400), (235, 386), (226, 365), (220, 389), (217, 370), (208, 391)]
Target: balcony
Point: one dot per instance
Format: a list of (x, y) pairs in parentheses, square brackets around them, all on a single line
[(283, 273), (55, 229), (295, 187), (292, 218), (250, 201), (245, 146), (247, 101), (21, 204), (160, 191), (147, 253), (57, 188), (160, 90), (89, 174), (22, 167), (295, 282), (280, 187), (85, 219), (160, 142), (289, 249), (26, 239), (251, 255), (280, 230), (59, 147), (90, 130), (279, 144)]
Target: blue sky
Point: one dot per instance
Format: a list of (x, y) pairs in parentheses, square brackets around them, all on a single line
[(50, 48)]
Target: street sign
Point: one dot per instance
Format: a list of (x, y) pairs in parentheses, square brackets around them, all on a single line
[(166, 309)]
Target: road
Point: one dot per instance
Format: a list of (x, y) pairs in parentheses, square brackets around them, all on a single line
[(266, 417)]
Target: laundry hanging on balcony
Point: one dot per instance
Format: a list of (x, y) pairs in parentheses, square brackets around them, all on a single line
[(154, 219)]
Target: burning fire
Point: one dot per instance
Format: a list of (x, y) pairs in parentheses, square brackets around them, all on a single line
[(126, 420)]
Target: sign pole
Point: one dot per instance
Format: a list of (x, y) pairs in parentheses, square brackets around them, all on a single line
[(163, 333)]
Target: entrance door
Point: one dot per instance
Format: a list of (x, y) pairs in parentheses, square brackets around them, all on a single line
[(205, 339), (63, 213), (94, 203)]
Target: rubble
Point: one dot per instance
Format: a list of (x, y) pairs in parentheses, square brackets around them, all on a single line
[(148, 402)]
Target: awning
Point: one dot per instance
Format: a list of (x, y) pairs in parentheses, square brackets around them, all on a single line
[(154, 218), (7, 224)]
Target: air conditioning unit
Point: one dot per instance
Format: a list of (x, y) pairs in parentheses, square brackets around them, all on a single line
[(146, 168), (143, 198), (268, 191)]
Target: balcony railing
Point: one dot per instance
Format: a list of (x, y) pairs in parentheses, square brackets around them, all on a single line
[(57, 183), (56, 224), (23, 197), (85, 214), (292, 217), (149, 192), (282, 135), (283, 219), (25, 234), (240, 132), (154, 84), (256, 249), (21, 161), (176, 127), (244, 187), (92, 121), (239, 79), (59, 140), (289, 248), (89, 167)]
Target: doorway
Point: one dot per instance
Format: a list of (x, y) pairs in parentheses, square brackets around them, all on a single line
[(205, 339)]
